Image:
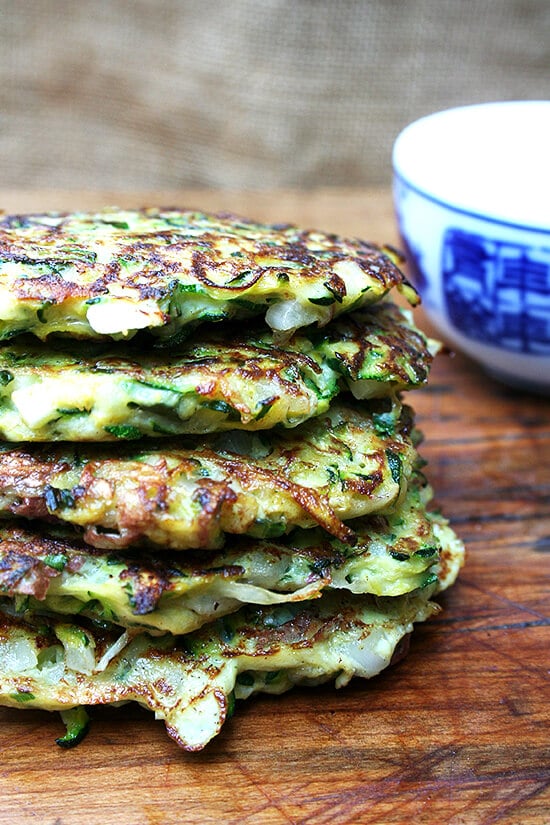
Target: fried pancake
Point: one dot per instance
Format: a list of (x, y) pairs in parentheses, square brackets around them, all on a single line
[(111, 273), (352, 461), (192, 681), (222, 380), (393, 555)]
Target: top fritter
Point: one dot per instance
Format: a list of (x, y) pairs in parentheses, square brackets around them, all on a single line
[(111, 273)]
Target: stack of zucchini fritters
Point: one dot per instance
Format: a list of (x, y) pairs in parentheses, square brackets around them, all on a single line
[(195, 511)]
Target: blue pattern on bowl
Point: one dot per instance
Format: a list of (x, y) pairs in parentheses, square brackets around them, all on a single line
[(497, 292)]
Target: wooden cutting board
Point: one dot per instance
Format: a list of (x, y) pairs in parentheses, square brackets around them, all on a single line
[(455, 733)]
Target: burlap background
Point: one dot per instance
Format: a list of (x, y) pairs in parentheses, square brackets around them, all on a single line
[(246, 93)]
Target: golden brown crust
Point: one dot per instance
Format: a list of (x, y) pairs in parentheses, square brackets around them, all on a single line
[(71, 273)]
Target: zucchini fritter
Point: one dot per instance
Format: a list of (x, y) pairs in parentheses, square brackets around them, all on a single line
[(352, 461), (191, 681), (393, 555), (222, 380), (111, 273), (97, 604)]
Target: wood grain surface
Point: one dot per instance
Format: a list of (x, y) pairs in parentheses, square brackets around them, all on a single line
[(455, 733)]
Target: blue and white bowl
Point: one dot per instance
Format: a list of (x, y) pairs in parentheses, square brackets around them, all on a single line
[(472, 198)]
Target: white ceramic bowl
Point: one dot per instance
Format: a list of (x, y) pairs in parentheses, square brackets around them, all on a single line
[(472, 198)]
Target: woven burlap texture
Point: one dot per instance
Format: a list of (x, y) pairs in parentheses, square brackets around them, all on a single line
[(246, 94)]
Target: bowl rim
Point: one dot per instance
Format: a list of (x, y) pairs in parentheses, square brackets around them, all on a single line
[(470, 213), (459, 115)]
